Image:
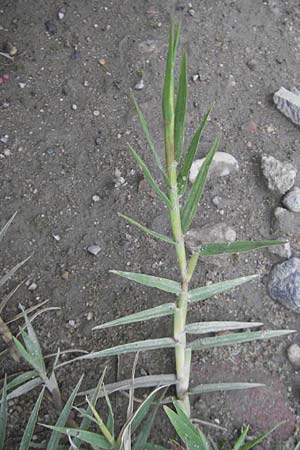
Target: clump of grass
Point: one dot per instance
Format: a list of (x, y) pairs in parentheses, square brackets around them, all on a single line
[(182, 210)]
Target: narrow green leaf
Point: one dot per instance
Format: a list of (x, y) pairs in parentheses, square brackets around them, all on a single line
[(143, 409), (168, 89), (20, 379), (148, 280), (241, 439), (193, 439), (62, 419), (25, 388), (214, 327), (88, 437), (148, 136), (190, 155), (200, 437), (220, 387), (195, 193), (151, 446), (220, 248), (36, 350), (176, 41), (6, 226), (150, 344), (147, 231), (260, 438), (86, 421), (28, 432), (31, 360), (142, 437), (111, 419), (236, 338), (149, 177), (205, 292), (180, 109), (152, 313), (3, 415)]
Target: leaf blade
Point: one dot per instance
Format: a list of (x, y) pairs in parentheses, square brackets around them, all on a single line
[(217, 387), (28, 432), (190, 154), (195, 193), (221, 248), (147, 314), (180, 109), (205, 292), (3, 414), (163, 284), (256, 441), (149, 177), (88, 437), (236, 338), (146, 230), (214, 327)]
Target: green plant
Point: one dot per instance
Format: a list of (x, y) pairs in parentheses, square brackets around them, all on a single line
[(175, 175), (195, 439)]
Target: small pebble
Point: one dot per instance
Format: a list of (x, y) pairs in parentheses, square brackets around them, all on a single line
[(292, 200), (139, 85), (94, 249), (7, 152), (195, 77), (61, 13), (219, 232), (32, 287), (222, 165), (279, 175), (51, 27), (96, 198), (5, 104), (284, 251), (102, 61), (74, 107), (191, 12), (294, 355), (85, 83), (22, 85), (98, 141), (96, 113), (72, 323), (89, 316), (65, 275), (56, 237), (4, 139), (284, 284), (216, 201)]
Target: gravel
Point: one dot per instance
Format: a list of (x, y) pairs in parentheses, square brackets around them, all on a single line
[(284, 284), (280, 176), (222, 165), (292, 200)]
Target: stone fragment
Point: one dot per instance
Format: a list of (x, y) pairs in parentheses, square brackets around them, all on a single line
[(279, 175), (139, 85), (222, 165), (284, 284), (284, 251), (286, 222), (32, 287), (219, 232), (294, 355), (51, 27), (288, 103), (292, 200), (94, 249)]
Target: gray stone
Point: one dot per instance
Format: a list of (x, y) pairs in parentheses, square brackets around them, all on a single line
[(292, 200), (51, 27), (217, 201), (279, 175), (294, 355), (284, 284), (222, 165), (32, 287), (286, 222), (288, 103), (219, 232), (96, 198), (139, 85), (94, 249)]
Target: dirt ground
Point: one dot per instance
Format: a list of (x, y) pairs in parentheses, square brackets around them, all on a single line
[(58, 156)]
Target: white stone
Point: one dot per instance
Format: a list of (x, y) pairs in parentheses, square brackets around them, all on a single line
[(139, 85), (292, 200), (279, 175), (222, 165), (294, 355), (32, 287)]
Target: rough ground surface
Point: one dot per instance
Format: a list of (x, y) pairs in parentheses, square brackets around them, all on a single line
[(243, 51)]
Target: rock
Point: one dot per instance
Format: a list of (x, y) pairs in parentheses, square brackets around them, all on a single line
[(284, 251), (4, 139), (89, 316), (32, 287), (292, 200), (252, 64), (279, 175), (96, 113), (61, 13), (191, 12), (219, 232), (65, 275), (11, 49), (51, 27), (294, 355), (7, 152), (74, 107), (139, 85), (288, 103), (56, 237), (222, 165), (94, 249), (286, 222), (216, 201), (98, 141), (284, 284), (96, 198), (22, 85)]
